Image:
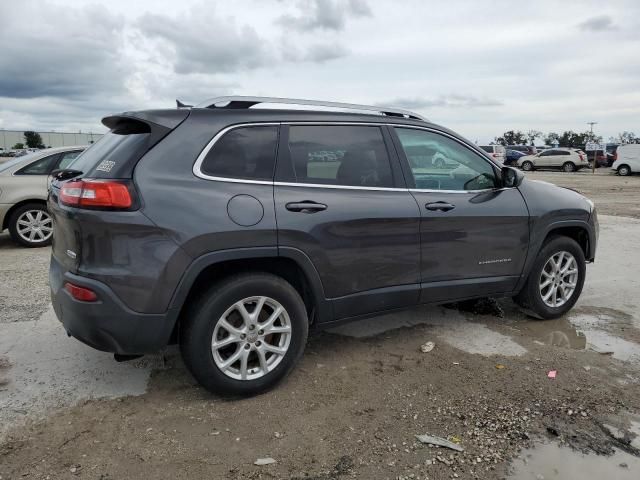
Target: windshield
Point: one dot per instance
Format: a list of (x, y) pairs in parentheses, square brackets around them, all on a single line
[(15, 161)]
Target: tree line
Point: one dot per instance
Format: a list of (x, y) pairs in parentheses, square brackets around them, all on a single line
[(31, 140), (568, 138)]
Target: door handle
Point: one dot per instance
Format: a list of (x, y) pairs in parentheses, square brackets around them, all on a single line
[(442, 206), (305, 206)]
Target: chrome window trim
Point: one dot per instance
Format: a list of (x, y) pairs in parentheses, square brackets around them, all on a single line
[(198, 163)]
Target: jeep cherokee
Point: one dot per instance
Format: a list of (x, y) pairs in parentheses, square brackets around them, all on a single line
[(233, 230)]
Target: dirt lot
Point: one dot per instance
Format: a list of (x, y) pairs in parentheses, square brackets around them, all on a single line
[(361, 394)]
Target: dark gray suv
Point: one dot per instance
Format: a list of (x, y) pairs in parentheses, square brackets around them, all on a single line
[(233, 230)]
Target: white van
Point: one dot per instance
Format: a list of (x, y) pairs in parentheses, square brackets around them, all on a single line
[(628, 161)]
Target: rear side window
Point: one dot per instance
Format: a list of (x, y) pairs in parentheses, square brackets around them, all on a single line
[(39, 167), (67, 158), (340, 155), (245, 153)]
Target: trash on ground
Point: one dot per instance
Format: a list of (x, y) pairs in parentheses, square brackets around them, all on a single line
[(430, 439), (264, 461), (499, 366), (552, 373), (427, 347)]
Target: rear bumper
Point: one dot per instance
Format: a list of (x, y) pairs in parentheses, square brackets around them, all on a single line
[(106, 324)]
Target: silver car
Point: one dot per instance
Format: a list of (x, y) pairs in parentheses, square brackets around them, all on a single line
[(23, 194)]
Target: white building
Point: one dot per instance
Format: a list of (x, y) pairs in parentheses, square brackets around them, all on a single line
[(8, 138)]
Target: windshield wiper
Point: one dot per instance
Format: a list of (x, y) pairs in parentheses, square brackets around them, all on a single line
[(65, 173)]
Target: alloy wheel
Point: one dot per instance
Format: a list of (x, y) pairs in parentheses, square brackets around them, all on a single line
[(558, 279), (251, 338), (34, 226)]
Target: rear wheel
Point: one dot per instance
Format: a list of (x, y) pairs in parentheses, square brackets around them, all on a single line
[(569, 167), (31, 225), (527, 166), (245, 334), (624, 170), (556, 279)]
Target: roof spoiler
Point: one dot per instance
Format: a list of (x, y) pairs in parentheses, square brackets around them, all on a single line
[(165, 118)]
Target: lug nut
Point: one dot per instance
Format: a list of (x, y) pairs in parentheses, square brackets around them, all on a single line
[(243, 336), (247, 346), (258, 343), (260, 332), (252, 327)]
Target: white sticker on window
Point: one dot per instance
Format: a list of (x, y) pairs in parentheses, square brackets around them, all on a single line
[(106, 165)]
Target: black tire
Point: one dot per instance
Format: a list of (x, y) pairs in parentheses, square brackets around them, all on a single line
[(527, 166), (530, 297), (624, 170), (18, 215), (197, 331), (569, 167)]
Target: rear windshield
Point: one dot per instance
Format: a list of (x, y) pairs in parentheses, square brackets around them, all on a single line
[(113, 155)]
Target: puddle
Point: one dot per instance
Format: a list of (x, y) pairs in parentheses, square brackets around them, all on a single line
[(448, 325), (551, 461), (588, 328)]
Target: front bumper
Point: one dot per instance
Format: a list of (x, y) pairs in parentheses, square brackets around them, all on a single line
[(106, 324)]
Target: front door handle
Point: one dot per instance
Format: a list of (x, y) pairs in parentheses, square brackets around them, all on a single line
[(305, 206), (442, 206)]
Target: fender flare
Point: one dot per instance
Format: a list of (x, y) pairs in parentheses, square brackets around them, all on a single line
[(536, 245), (324, 310)]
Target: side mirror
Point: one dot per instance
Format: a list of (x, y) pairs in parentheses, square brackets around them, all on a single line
[(511, 177)]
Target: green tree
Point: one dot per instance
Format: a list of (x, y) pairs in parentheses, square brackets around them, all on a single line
[(18, 146), (628, 137), (570, 138), (33, 139), (512, 138), (551, 138), (532, 135)]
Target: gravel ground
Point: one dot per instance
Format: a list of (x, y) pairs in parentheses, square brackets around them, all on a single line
[(361, 394)]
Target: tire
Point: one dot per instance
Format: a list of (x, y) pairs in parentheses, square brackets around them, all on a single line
[(527, 166), (205, 319), (530, 297), (624, 170), (30, 225), (569, 167)]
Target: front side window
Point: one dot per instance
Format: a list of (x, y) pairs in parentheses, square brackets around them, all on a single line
[(340, 155), (451, 165), (245, 153), (39, 167)]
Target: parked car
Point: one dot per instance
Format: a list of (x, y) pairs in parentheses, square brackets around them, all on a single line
[(217, 227), (512, 157), (568, 159), (526, 149), (23, 194), (628, 161), (498, 152)]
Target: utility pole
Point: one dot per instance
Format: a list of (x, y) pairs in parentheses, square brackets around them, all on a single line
[(595, 152)]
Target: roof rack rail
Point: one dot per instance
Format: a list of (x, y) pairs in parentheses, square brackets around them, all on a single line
[(239, 102)]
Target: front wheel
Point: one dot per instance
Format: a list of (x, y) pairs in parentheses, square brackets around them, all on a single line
[(245, 334), (569, 167), (527, 166), (31, 225), (555, 280), (624, 170)]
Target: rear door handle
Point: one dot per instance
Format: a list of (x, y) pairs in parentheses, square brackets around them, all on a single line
[(306, 206), (442, 206)]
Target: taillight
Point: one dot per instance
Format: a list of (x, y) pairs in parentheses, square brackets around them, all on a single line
[(581, 157), (81, 293), (96, 194)]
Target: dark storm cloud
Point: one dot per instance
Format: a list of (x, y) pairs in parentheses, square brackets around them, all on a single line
[(325, 14), (447, 101), (598, 24), (206, 42), (75, 56)]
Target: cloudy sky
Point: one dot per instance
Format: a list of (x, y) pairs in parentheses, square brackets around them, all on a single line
[(478, 67)]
